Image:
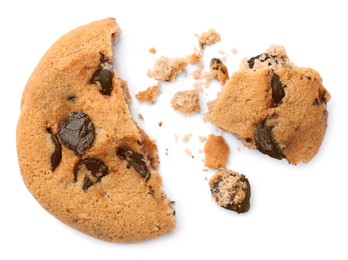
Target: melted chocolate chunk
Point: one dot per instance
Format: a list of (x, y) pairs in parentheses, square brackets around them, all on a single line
[(136, 160), (251, 61), (265, 141), (215, 63), (56, 156), (277, 89), (96, 168), (76, 132), (104, 77)]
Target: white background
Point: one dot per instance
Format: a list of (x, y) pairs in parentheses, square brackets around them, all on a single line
[(297, 212)]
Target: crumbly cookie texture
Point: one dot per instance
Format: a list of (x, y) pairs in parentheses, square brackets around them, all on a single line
[(216, 152), (209, 38), (274, 106), (166, 69), (149, 95), (80, 153), (186, 102), (230, 190), (218, 70)]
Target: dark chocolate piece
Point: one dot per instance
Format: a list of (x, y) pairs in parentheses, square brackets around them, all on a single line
[(136, 160), (277, 89), (265, 141), (56, 156), (76, 132), (97, 170)]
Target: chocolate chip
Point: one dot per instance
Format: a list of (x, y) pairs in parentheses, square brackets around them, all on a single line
[(320, 99), (277, 89), (231, 191), (215, 63), (76, 132), (72, 98), (251, 61), (265, 141), (136, 160), (96, 171), (56, 156), (248, 140), (103, 77)]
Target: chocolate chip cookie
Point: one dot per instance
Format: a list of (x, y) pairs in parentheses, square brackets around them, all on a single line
[(274, 106), (80, 153)]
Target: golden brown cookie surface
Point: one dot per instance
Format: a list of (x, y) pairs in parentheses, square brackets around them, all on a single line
[(80, 153)]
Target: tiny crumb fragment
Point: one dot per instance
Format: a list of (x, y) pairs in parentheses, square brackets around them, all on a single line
[(215, 152), (167, 151), (195, 57), (149, 95), (166, 69), (187, 137), (218, 70), (209, 38), (152, 50), (176, 138), (186, 102), (234, 51), (160, 124), (189, 153), (140, 117), (230, 190), (197, 74), (202, 138)]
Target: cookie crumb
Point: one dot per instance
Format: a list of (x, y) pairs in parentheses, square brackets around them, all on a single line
[(197, 74), (176, 138), (218, 70), (230, 190), (189, 153), (202, 138), (234, 51), (166, 69), (209, 38), (195, 57), (140, 117), (149, 95), (187, 137), (186, 102), (160, 124), (216, 152), (167, 151), (152, 50)]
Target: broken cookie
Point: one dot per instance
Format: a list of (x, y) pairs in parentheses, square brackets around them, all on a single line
[(274, 106), (80, 153), (230, 190)]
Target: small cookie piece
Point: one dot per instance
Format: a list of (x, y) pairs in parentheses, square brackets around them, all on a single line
[(274, 106), (215, 152), (80, 153), (166, 69), (149, 95), (218, 70), (186, 102), (209, 38), (230, 190)]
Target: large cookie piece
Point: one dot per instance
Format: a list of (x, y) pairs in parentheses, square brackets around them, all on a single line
[(274, 106), (80, 153)]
